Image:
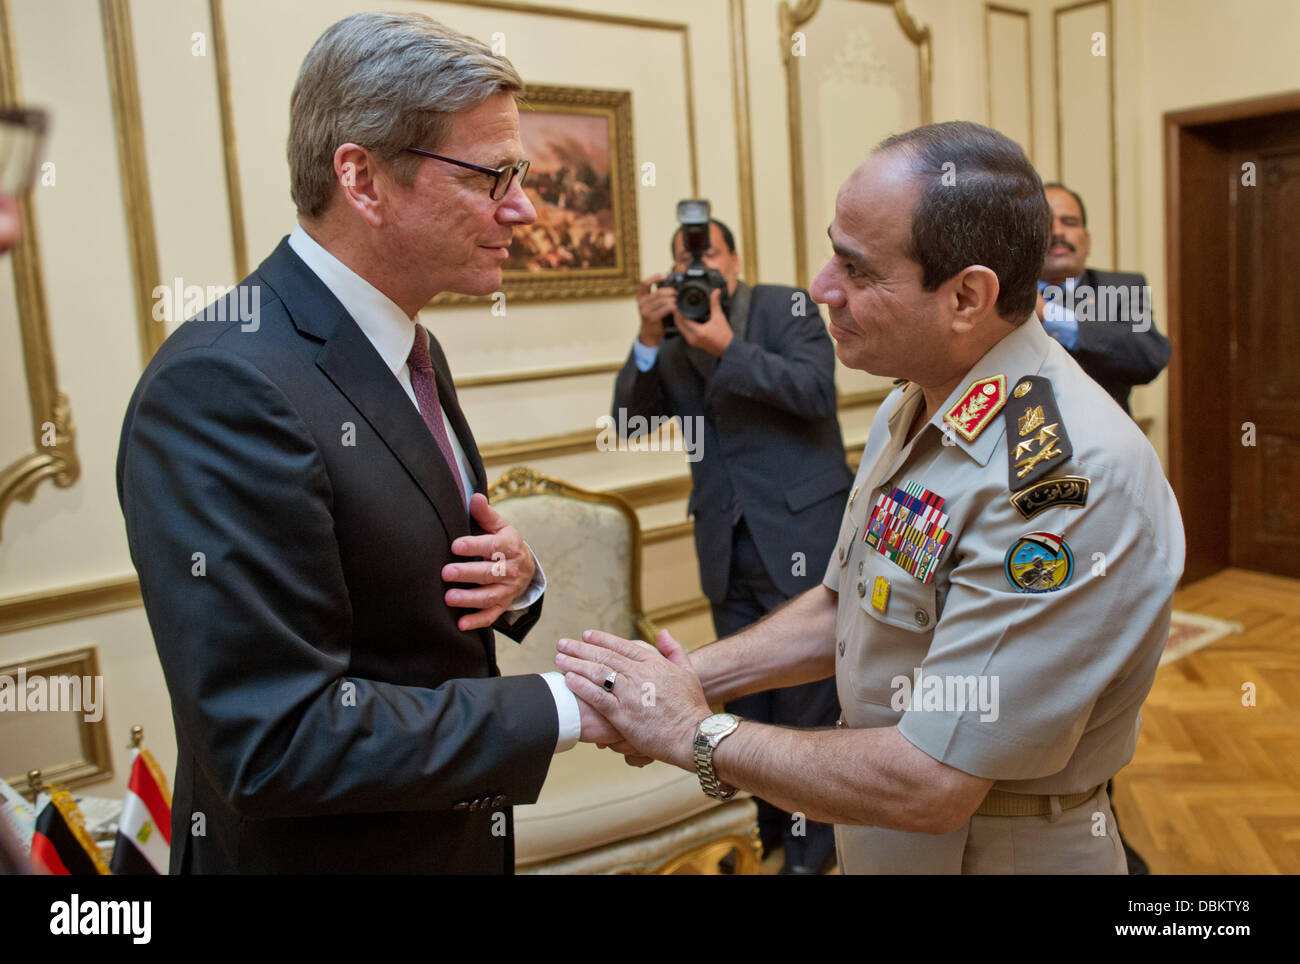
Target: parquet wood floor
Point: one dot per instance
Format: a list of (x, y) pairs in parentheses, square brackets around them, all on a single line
[(1214, 787)]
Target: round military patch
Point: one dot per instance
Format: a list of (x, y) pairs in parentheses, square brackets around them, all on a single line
[(1039, 562)]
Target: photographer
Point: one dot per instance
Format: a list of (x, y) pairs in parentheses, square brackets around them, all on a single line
[(756, 368)]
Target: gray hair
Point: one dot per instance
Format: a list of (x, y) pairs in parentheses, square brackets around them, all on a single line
[(387, 82)]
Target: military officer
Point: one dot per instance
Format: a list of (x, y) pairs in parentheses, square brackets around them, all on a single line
[(1000, 590)]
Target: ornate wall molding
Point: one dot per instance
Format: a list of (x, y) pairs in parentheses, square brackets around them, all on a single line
[(124, 87), (51, 414), (744, 140), (92, 761), (229, 155), (1110, 106), (990, 10), (791, 19), (73, 602)]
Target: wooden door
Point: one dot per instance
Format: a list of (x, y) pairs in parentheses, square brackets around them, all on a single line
[(1264, 345)]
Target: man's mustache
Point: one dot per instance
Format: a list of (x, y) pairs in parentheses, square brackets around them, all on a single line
[(1060, 240)]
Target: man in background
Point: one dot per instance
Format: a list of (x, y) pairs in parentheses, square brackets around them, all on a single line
[(1102, 318), (771, 478)]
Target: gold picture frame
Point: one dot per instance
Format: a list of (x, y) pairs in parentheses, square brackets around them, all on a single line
[(584, 243)]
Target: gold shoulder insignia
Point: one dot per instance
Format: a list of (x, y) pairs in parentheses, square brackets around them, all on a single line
[(976, 408), (1037, 442)]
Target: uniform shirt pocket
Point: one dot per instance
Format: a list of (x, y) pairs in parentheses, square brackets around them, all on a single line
[(889, 625)]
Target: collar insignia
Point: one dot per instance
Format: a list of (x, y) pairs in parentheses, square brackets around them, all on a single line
[(976, 408)]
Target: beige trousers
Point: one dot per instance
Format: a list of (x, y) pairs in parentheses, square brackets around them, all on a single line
[(1081, 840)]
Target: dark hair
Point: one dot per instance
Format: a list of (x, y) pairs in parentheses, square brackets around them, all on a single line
[(1083, 212), (727, 237), (982, 203)]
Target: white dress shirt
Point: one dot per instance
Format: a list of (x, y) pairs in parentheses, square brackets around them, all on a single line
[(392, 334)]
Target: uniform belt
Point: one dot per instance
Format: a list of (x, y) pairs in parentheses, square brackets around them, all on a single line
[(1000, 803)]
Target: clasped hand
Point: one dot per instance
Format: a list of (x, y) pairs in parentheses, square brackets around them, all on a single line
[(654, 706), (506, 572)]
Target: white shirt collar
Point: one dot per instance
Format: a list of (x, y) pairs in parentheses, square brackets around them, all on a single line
[(384, 324)]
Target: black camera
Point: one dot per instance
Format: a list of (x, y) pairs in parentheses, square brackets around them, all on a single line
[(695, 284)]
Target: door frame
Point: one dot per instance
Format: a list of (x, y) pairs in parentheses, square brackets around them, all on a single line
[(1198, 301)]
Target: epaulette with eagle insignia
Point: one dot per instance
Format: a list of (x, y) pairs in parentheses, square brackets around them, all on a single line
[(1037, 445)]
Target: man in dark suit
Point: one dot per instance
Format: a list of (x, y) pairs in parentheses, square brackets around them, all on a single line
[(1102, 318), (757, 383), (303, 501)]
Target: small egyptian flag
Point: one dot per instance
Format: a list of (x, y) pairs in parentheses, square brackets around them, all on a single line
[(61, 844), (144, 831)]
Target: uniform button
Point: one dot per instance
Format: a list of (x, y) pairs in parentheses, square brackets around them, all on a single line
[(841, 553), (859, 568), (841, 647), (922, 618), (499, 800), (862, 589), (839, 724), (461, 805)]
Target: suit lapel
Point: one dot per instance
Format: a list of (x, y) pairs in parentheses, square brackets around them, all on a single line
[(349, 361), (739, 321)]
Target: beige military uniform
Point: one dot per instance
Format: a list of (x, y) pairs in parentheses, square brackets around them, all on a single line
[(1048, 621)]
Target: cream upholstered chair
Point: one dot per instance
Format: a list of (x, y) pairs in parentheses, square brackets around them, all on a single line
[(596, 814)]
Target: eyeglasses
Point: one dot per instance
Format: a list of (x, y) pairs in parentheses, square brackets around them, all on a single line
[(502, 177)]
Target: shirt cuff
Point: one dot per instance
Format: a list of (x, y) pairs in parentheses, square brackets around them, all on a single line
[(566, 709), (530, 595), (645, 355)]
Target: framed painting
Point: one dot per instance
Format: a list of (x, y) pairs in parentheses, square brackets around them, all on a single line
[(582, 183)]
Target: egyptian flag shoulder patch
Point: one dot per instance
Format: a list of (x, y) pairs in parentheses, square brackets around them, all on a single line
[(1039, 562), (1037, 443)]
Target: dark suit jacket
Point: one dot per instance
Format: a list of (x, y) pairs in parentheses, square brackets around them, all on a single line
[(773, 451), (1116, 356), (329, 714)]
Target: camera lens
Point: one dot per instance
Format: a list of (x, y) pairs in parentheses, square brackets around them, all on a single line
[(693, 301)]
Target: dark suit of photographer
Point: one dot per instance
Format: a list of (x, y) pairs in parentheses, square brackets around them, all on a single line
[(771, 480)]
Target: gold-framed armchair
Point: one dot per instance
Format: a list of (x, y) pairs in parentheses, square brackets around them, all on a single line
[(595, 813)]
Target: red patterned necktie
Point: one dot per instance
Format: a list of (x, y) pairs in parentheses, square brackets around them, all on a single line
[(426, 396)]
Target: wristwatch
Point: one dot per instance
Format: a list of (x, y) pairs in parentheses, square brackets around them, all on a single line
[(712, 731)]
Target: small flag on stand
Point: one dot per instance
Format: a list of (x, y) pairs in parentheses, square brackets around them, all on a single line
[(144, 831), (61, 844)]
